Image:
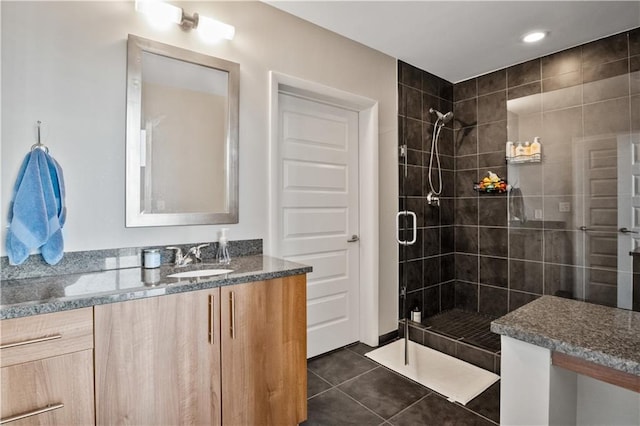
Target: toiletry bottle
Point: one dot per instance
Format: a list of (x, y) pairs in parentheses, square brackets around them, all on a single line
[(519, 150), (509, 150), (416, 315), (151, 258), (536, 148), (527, 149), (223, 249)]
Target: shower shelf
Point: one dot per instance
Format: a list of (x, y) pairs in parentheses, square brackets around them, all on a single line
[(521, 159), (485, 186), (489, 191)]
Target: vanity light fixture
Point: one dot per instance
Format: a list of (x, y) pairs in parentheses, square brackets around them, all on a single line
[(164, 14), (534, 36)]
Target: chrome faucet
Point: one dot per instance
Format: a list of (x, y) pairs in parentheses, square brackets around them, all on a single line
[(185, 259), (180, 259), (195, 251)]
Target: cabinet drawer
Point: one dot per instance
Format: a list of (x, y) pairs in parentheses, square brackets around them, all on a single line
[(42, 336), (56, 390)]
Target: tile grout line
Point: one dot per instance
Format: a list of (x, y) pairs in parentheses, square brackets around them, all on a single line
[(474, 412), (341, 383), (351, 378), (411, 405), (321, 378), (361, 404)]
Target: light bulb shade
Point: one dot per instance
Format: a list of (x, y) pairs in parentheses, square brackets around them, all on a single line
[(159, 13), (212, 30)]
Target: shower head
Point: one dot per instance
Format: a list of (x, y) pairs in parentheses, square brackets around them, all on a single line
[(444, 118)]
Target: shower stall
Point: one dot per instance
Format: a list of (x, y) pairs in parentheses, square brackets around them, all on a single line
[(407, 221), (567, 231), (449, 320)]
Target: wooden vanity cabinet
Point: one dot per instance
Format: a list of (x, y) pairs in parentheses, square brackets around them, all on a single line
[(264, 352), (47, 369), (158, 360), (234, 355)]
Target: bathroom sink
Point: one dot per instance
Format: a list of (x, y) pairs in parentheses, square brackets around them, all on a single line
[(200, 273)]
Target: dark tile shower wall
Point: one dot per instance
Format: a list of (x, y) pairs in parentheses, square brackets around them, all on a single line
[(469, 254), (587, 93), (428, 265)]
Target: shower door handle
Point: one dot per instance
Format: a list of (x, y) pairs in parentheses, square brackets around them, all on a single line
[(353, 239), (415, 228)]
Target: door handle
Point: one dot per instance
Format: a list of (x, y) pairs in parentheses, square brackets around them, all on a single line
[(627, 231), (35, 412), (415, 228), (211, 318), (232, 308), (353, 239), (30, 341)]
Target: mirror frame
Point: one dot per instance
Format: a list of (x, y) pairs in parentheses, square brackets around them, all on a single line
[(134, 215)]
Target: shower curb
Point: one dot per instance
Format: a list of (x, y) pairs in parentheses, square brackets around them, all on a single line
[(483, 358)]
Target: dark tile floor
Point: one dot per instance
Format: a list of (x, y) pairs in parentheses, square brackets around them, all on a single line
[(345, 388)]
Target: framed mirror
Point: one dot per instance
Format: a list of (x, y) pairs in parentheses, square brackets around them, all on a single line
[(182, 136)]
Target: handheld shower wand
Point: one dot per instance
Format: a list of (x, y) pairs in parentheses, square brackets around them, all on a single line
[(433, 197)]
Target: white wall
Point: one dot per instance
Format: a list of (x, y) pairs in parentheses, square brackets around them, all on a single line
[(65, 64), (533, 391), (600, 403)]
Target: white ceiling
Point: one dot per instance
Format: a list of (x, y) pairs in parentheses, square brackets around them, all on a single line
[(458, 40)]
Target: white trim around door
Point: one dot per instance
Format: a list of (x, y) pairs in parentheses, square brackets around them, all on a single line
[(368, 185)]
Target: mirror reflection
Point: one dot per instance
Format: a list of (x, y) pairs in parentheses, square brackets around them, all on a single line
[(182, 110), (184, 115), (578, 202)]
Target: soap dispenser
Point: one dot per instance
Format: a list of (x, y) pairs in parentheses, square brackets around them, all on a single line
[(223, 248)]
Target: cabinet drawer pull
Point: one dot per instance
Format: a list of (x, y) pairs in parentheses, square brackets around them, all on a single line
[(233, 314), (211, 318), (28, 342), (31, 413)]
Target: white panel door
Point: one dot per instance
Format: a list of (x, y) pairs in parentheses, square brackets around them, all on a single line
[(317, 160), (628, 214), (601, 217)]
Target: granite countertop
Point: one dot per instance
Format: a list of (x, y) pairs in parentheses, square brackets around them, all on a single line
[(32, 296), (600, 334)]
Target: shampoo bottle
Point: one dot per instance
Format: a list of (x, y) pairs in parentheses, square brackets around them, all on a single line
[(536, 148), (527, 149), (519, 150), (509, 150), (223, 249)]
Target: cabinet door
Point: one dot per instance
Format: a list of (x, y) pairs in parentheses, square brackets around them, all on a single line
[(264, 344), (158, 360), (50, 391)]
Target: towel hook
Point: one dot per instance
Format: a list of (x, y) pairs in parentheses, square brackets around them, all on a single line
[(39, 145)]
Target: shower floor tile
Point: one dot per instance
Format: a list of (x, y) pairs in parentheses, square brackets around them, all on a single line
[(469, 327), (371, 394)]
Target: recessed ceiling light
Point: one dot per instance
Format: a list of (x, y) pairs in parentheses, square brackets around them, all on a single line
[(534, 36)]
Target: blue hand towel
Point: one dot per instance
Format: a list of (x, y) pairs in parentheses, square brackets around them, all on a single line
[(37, 213), (53, 249)]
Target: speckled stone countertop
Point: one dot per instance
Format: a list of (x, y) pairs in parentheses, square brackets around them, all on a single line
[(32, 296), (602, 335)]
